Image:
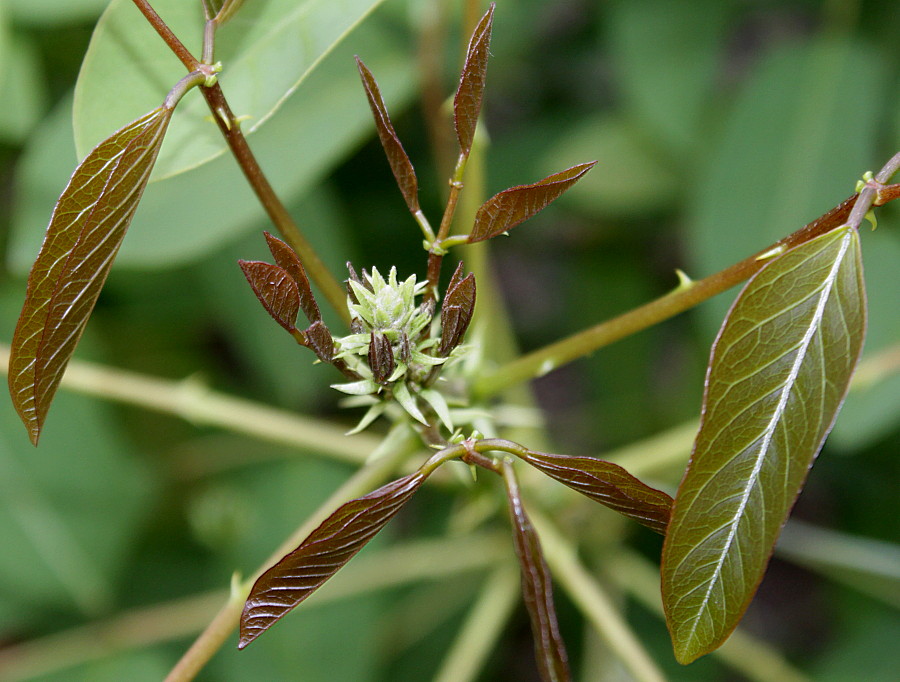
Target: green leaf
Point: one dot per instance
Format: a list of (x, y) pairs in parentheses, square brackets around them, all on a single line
[(267, 50), (671, 103), (470, 92), (779, 371), (607, 483), (54, 12), (515, 205), (401, 166), (85, 232), (321, 555), (537, 589), (325, 118), (22, 89)]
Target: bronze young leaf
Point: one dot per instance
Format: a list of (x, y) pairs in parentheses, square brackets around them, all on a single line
[(84, 235), (607, 483), (321, 555), (778, 374), (275, 289), (537, 589), (469, 94), (515, 205), (401, 166), (288, 259)]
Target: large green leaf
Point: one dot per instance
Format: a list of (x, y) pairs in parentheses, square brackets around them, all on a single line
[(267, 50), (324, 119), (84, 235), (778, 373)]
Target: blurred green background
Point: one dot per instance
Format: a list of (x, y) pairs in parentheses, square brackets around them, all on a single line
[(719, 126)]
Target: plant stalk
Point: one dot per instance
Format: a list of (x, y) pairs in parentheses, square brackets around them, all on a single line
[(190, 62)]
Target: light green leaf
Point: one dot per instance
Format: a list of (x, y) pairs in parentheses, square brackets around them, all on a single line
[(325, 118), (55, 12), (267, 50), (778, 374), (672, 102), (21, 90)]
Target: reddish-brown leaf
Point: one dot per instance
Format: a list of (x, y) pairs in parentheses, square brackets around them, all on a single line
[(288, 259), (275, 289), (84, 235), (537, 590), (457, 310), (321, 555), (609, 484), (515, 205), (381, 358), (401, 166), (469, 94), (320, 340)]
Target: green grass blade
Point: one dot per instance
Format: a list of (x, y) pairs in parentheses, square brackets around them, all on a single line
[(778, 374)]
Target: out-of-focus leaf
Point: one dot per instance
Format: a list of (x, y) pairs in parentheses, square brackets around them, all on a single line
[(267, 49), (633, 178), (671, 102), (53, 12), (321, 555), (225, 10), (401, 166), (778, 373), (275, 289), (537, 591), (324, 119), (287, 258), (515, 205), (21, 88), (785, 154), (609, 484), (469, 93), (85, 232)]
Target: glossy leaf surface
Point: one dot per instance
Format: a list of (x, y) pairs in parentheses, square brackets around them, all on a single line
[(609, 484), (470, 92), (321, 555), (537, 591), (515, 205), (401, 166), (84, 235), (778, 374), (267, 50), (288, 259), (275, 289)]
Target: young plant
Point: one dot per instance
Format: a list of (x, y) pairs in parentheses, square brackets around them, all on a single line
[(777, 375)]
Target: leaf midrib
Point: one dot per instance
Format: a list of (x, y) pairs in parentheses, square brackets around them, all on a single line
[(770, 429)]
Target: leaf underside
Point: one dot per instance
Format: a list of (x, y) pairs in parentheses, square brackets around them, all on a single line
[(84, 235), (778, 374), (537, 591), (609, 484), (515, 205), (321, 555)]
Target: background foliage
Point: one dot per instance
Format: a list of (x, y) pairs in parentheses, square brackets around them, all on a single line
[(719, 127)]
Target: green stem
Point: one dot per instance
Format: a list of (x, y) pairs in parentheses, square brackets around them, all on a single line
[(228, 617), (482, 628), (194, 402), (686, 296)]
